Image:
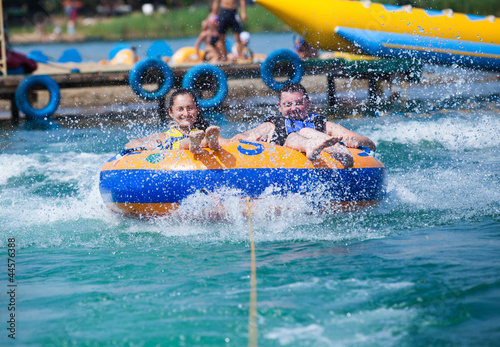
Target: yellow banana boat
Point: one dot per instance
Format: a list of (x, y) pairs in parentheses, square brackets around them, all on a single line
[(316, 20)]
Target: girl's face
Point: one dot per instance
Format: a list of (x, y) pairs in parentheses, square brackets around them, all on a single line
[(184, 111)]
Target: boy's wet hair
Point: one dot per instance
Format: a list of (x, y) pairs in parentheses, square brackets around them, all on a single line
[(183, 91), (293, 88)]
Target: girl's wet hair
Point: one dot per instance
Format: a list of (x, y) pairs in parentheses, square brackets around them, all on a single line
[(182, 91)]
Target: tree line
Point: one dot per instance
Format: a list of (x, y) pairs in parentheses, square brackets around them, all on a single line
[(17, 12)]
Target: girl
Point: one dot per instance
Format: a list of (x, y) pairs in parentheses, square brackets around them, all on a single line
[(190, 130)]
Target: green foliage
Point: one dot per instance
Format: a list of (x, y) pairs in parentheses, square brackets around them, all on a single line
[(182, 22), (261, 20), (174, 23), (185, 19)]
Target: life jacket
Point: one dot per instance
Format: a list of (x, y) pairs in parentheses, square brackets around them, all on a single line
[(286, 126), (174, 136)]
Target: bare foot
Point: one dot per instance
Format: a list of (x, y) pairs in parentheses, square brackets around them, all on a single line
[(341, 153), (315, 146), (195, 138), (212, 136)]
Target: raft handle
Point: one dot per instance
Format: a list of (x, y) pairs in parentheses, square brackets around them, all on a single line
[(131, 150), (363, 148)]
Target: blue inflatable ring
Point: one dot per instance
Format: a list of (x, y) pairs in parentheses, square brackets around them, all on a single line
[(267, 67), (21, 96), (206, 69), (134, 78)]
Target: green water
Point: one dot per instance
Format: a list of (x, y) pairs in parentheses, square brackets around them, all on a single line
[(419, 269)]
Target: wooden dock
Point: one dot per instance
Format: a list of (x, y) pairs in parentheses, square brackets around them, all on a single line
[(372, 70)]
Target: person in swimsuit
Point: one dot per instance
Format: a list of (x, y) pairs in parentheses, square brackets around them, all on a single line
[(247, 53), (190, 130), (311, 133), (209, 36), (229, 18)]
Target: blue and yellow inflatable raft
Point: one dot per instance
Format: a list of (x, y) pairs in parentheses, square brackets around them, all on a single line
[(153, 183)]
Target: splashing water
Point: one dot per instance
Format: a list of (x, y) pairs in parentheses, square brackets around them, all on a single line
[(420, 268)]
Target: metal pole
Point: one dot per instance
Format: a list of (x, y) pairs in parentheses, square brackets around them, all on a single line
[(162, 109), (332, 98)]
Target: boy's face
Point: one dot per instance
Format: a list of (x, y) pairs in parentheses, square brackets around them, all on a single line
[(294, 105), (184, 111)]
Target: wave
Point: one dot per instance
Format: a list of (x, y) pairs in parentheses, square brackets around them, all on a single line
[(441, 169), (459, 131)]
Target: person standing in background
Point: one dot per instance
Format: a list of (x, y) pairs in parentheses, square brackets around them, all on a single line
[(71, 10), (229, 18)]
